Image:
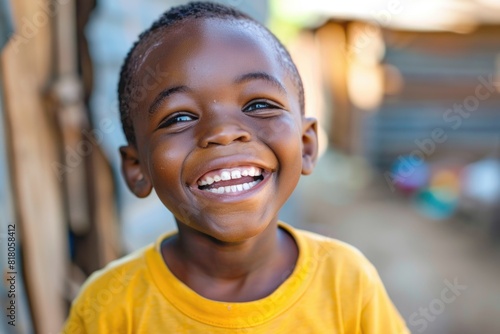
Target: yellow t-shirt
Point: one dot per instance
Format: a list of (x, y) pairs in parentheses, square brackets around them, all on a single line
[(333, 289)]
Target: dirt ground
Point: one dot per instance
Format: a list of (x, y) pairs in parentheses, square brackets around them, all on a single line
[(443, 276)]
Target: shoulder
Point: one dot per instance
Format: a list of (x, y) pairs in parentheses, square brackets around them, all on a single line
[(342, 264), (109, 290), (119, 274), (353, 283), (326, 249)]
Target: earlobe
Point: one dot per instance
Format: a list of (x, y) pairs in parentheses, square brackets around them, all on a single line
[(309, 144), (136, 180)]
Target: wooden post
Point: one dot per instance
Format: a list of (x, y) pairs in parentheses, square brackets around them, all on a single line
[(25, 66), (332, 38)]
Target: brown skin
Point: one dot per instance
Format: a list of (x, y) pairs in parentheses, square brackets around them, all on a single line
[(230, 103)]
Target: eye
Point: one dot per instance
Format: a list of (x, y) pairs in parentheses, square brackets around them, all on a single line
[(259, 105), (176, 119)]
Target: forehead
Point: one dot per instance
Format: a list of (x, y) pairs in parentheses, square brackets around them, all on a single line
[(207, 46)]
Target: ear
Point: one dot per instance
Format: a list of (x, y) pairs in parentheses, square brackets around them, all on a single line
[(309, 144), (137, 181)]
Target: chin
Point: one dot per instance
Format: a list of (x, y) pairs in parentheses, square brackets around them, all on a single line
[(236, 231)]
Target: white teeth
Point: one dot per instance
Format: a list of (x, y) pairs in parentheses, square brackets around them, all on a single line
[(226, 175), (233, 189)]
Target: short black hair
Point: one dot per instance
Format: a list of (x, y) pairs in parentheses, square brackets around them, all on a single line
[(193, 10)]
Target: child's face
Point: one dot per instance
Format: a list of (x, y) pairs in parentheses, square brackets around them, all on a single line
[(224, 106)]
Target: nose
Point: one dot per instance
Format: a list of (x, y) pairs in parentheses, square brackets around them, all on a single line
[(222, 130)]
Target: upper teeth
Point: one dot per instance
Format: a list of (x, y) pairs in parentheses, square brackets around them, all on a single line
[(229, 174)]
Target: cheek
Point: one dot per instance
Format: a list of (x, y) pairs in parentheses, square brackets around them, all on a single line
[(285, 138), (166, 159)]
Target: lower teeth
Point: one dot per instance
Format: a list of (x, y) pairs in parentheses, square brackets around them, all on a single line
[(234, 189)]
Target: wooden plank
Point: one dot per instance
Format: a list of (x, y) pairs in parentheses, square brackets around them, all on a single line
[(25, 68)]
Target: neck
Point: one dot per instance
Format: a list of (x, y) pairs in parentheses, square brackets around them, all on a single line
[(224, 260), (231, 271)]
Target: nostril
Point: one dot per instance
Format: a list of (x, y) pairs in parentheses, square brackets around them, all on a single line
[(224, 134)]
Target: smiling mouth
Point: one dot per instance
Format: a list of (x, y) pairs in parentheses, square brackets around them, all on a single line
[(231, 180)]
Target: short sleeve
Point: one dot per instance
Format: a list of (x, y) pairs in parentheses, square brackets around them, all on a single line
[(379, 314), (74, 324), (90, 316)]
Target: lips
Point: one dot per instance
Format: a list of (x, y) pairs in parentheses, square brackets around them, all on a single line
[(231, 180)]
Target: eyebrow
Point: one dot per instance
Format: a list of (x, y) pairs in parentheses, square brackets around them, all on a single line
[(261, 76), (165, 94)]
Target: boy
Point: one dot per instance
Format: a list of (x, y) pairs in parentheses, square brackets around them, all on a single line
[(222, 138)]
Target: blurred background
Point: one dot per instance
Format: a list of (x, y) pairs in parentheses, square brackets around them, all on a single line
[(408, 98)]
